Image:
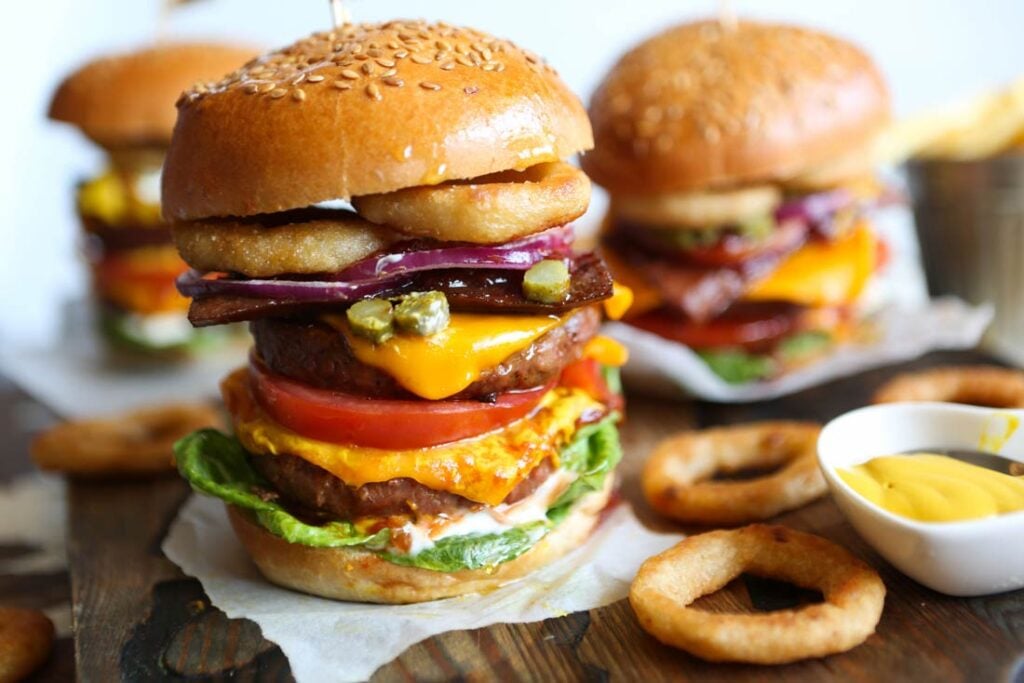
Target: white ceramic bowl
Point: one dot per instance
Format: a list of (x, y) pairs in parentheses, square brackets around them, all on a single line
[(975, 557)]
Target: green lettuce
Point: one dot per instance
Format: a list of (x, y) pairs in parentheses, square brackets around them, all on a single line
[(117, 328), (217, 465), (737, 366)]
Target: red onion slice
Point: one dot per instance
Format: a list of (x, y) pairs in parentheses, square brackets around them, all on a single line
[(387, 273), (193, 284), (518, 255), (814, 209)]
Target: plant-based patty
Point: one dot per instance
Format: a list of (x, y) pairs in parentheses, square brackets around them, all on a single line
[(315, 353)]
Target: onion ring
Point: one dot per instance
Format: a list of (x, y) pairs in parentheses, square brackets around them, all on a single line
[(980, 385), (675, 478), (26, 638), (491, 209), (698, 210), (135, 443), (668, 583), (294, 242)]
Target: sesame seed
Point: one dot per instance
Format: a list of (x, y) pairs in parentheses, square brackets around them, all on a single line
[(389, 72), (429, 85), (298, 95), (252, 88), (471, 90), (447, 66), (392, 81), (443, 45), (315, 78), (421, 59), (386, 63), (349, 74), (463, 60), (342, 85), (375, 52), (299, 79), (373, 91), (442, 56), (401, 54), (367, 68), (278, 93)]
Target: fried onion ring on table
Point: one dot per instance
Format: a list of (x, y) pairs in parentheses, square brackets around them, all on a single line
[(491, 209), (676, 477), (130, 444), (699, 565), (980, 385), (26, 638)]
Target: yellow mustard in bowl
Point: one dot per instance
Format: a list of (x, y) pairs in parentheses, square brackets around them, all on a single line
[(935, 488)]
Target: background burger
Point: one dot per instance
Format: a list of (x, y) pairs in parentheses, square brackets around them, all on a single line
[(428, 409), (125, 104), (737, 160)]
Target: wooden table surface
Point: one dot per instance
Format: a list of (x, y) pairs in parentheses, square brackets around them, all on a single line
[(138, 618)]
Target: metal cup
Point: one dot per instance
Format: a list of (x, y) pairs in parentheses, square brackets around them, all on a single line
[(970, 224)]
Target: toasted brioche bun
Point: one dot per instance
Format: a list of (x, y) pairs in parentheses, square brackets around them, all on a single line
[(127, 100), (343, 114), (700, 107), (361, 576)]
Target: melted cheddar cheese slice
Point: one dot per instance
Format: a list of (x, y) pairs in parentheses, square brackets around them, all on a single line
[(822, 273), (443, 364), (484, 469)]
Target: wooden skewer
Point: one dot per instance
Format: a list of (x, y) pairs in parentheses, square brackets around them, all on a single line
[(339, 13), (727, 15)]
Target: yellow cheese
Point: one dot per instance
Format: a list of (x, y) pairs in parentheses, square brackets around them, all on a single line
[(822, 273), (443, 364), (108, 198), (619, 303), (606, 351), (484, 469)]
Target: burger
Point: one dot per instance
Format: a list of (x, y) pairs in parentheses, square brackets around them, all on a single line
[(428, 409), (125, 104), (737, 160)]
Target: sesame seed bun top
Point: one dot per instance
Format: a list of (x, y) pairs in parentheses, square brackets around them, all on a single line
[(366, 109), (127, 100), (701, 106)]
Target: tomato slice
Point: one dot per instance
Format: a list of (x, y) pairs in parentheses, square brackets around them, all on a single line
[(341, 418), (752, 326), (585, 375)]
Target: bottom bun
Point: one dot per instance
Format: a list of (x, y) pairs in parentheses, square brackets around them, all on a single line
[(359, 575)]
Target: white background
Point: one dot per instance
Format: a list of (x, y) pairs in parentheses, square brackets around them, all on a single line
[(931, 50)]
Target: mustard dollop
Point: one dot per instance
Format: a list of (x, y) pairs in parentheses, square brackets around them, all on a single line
[(935, 488)]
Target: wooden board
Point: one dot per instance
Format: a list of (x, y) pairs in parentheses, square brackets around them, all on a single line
[(138, 618)]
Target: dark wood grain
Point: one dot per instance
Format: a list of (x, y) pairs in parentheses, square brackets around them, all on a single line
[(136, 616)]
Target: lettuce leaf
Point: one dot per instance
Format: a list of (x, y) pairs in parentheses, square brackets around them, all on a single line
[(217, 465), (736, 366)]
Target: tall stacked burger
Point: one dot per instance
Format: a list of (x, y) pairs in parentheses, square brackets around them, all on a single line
[(125, 104), (738, 163), (428, 409)]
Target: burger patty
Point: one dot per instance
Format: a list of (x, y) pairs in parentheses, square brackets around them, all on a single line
[(314, 488), (314, 353)]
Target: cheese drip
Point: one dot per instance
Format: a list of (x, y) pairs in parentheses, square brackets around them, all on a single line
[(484, 469), (443, 364)]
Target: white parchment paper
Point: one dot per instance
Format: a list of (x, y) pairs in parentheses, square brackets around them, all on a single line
[(76, 377), (335, 641), (659, 366)]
